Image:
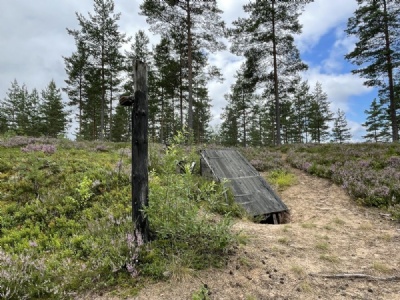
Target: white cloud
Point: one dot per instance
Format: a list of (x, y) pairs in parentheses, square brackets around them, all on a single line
[(356, 131), (228, 63), (343, 45), (320, 17), (339, 87), (232, 9)]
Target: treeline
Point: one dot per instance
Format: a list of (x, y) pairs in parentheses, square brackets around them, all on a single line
[(178, 70), (249, 118), (269, 104), (31, 113), (99, 71)]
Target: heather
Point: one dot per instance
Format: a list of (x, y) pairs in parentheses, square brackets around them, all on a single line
[(66, 226), (370, 173), (264, 159)]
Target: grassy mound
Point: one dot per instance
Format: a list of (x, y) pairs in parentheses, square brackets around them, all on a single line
[(66, 225)]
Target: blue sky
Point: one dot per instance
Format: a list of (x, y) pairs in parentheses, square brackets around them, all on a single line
[(34, 39)]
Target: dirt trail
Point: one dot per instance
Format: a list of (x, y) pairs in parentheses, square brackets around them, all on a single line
[(328, 234)]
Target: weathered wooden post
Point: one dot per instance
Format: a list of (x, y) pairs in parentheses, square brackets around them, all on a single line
[(140, 179)]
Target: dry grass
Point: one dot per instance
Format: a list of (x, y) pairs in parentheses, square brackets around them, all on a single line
[(330, 258), (338, 221), (323, 246), (308, 225), (381, 267), (284, 240), (298, 270)]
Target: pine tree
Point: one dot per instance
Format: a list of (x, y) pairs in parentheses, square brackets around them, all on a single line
[(300, 111), (201, 104), (76, 67), (287, 121), (340, 131), (319, 115), (240, 100), (242, 96), (120, 128), (18, 108), (375, 123), (270, 120), (376, 23), (139, 50), (53, 111), (257, 122), (20, 111), (36, 124), (10, 106), (91, 129), (102, 41), (229, 133), (3, 120), (265, 38), (164, 91), (201, 22)]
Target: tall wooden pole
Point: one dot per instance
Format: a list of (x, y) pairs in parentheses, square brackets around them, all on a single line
[(140, 184)]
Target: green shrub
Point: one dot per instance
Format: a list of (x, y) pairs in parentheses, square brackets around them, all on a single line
[(66, 220), (281, 178)]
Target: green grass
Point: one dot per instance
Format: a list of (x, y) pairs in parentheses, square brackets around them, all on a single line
[(66, 221), (65, 216), (282, 179)]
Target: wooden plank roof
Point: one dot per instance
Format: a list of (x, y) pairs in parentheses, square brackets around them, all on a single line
[(249, 188)]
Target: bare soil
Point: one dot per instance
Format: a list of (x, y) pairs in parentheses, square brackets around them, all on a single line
[(328, 234)]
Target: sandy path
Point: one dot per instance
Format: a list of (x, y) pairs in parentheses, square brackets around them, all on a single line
[(328, 234)]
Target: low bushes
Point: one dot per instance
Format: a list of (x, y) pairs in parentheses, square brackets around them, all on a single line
[(369, 172), (66, 224)]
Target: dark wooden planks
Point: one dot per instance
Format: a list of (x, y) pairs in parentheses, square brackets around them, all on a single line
[(249, 187)]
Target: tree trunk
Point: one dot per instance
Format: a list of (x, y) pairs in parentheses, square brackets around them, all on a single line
[(190, 76), (276, 92), (181, 92), (393, 117), (162, 140), (111, 98), (103, 92), (80, 105), (244, 122)]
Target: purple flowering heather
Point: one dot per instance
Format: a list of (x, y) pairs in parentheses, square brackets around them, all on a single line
[(45, 148), (381, 191), (101, 148), (33, 244), (364, 170), (306, 166), (394, 162), (364, 163)]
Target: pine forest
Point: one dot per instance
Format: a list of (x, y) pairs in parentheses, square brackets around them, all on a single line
[(268, 104)]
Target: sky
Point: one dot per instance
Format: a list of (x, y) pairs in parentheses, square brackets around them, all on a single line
[(34, 41)]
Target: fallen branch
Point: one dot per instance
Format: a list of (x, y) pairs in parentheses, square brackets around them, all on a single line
[(356, 276)]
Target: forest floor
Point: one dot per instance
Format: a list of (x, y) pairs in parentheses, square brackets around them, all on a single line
[(332, 248)]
